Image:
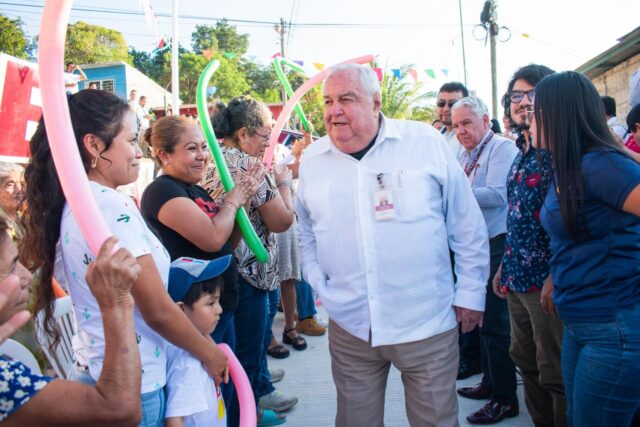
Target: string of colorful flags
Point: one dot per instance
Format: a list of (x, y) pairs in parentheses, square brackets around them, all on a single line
[(432, 73)]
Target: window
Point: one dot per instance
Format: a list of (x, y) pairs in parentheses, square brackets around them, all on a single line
[(107, 85)]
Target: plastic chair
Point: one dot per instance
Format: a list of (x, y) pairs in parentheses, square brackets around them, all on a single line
[(12, 349), (61, 357)]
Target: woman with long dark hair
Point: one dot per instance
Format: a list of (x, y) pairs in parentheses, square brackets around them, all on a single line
[(592, 215), (106, 135)]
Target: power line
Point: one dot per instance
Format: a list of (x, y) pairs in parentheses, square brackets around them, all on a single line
[(245, 21)]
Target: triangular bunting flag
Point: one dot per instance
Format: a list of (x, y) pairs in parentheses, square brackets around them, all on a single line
[(396, 72), (275, 55), (253, 58), (229, 55), (300, 63), (318, 66), (412, 72), (445, 71), (208, 53), (378, 72)]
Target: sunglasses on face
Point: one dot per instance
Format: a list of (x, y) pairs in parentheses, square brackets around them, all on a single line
[(517, 95), (442, 103)]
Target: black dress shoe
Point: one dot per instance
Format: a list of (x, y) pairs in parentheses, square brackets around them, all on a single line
[(466, 370), (477, 392), (493, 412)]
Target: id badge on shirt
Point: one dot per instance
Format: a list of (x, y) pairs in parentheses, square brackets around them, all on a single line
[(383, 207)]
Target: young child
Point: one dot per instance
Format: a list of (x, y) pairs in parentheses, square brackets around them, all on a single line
[(192, 397)]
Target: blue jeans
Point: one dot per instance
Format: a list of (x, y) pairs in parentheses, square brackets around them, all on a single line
[(304, 299), (601, 370), (251, 322), (153, 408), (225, 332)]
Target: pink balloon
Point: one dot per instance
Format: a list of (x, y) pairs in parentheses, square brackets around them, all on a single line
[(62, 141), (286, 111), (248, 417)]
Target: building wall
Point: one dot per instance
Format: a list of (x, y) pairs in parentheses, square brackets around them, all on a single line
[(615, 83), (146, 87), (115, 72)]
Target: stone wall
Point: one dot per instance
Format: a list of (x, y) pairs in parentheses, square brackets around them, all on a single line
[(615, 83)]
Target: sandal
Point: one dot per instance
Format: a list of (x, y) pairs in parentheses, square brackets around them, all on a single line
[(297, 342), (267, 417), (278, 351)]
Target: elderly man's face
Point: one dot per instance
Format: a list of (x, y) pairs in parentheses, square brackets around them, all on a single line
[(351, 116), (444, 103), (469, 128)]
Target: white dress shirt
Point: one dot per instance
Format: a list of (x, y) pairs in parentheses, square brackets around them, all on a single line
[(393, 278), (489, 179), (452, 141)]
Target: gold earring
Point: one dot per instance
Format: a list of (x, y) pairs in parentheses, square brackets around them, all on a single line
[(94, 163)]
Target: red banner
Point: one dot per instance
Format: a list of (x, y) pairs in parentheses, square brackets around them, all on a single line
[(20, 105)]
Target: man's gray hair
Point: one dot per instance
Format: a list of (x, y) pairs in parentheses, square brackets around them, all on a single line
[(368, 78), (7, 168), (474, 103)]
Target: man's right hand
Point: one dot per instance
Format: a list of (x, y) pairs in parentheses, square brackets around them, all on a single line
[(110, 277), (498, 289)]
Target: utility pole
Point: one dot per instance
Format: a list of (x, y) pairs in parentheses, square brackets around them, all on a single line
[(175, 73), (464, 56), (493, 32), (281, 29), (488, 18)]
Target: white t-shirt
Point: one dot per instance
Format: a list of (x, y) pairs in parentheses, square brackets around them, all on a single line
[(124, 221), (191, 392), (72, 78), (141, 113)]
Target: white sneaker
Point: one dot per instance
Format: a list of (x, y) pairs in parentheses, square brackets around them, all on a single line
[(321, 321), (276, 374), (277, 401)]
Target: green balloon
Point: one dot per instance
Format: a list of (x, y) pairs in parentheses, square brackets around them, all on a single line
[(242, 218), (277, 64)]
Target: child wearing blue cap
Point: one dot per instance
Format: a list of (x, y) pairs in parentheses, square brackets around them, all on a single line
[(192, 397)]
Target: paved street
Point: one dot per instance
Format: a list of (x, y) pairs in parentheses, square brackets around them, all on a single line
[(308, 376)]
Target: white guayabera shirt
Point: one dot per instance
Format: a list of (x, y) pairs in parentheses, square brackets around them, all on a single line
[(394, 277)]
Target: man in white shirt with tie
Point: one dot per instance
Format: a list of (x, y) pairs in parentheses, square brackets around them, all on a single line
[(380, 203)]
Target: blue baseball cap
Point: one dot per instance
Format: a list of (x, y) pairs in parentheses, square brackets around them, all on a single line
[(186, 271)]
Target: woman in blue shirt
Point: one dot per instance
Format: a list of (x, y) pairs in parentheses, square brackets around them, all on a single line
[(592, 215)]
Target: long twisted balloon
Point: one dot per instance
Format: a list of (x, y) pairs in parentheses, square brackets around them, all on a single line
[(250, 236)]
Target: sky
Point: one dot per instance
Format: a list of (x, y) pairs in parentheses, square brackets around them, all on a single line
[(561, 34)]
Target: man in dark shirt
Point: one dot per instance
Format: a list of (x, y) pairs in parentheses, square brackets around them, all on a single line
[(524, 279)]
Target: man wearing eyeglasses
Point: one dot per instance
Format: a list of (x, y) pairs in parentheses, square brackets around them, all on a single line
[(448, 94), (486, 159), (524, 278)]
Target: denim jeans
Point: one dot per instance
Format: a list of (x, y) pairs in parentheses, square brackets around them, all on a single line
[(304, 299), (225, 332), (251, 321), (153, 408), (601, 370)]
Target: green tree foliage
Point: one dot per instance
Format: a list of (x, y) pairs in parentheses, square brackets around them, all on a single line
[(402, 98), (13, 39), (223, 38), (87, 44), (263, 81)]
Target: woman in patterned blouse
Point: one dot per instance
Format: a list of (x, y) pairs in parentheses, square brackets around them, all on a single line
[(245, 126)]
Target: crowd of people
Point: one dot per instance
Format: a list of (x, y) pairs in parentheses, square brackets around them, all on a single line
[(508, 252)]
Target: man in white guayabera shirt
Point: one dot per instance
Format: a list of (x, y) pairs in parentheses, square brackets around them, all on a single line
[(380, 203)]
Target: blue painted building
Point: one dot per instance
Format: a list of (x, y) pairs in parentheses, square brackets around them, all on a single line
[(120, 78)]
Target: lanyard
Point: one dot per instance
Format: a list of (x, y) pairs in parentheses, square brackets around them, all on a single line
[(472, 165)]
